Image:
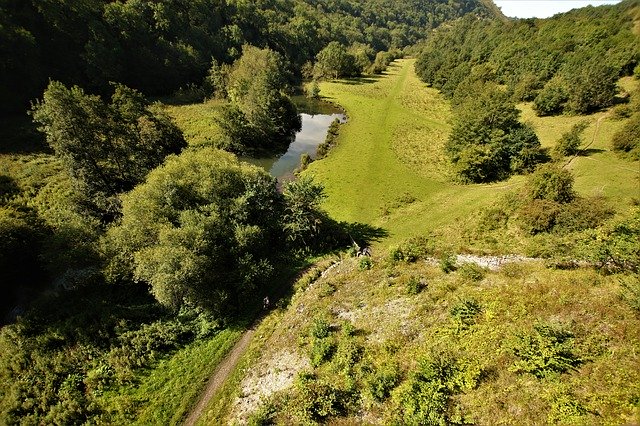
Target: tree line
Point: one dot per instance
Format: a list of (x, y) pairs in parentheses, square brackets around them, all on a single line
[(159, 46), (570, 64)]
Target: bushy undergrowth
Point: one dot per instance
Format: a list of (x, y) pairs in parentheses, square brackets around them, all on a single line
[(60, 359), (548, 349)]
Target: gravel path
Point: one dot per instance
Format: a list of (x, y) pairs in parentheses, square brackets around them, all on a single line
[(219, 376)]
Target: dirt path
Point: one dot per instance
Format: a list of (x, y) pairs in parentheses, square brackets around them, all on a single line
[(219, 376)]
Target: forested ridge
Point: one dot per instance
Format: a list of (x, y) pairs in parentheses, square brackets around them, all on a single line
[(132, 257), (157, 47)]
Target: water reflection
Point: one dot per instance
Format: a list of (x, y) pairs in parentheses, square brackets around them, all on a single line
[(314, 131)]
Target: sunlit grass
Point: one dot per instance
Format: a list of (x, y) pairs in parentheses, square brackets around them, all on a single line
[(198, 121), (166, 392)]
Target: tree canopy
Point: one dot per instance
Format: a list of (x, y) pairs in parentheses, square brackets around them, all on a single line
[(106, 148)]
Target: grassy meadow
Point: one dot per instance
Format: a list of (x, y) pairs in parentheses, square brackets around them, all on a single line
[(389, 169)]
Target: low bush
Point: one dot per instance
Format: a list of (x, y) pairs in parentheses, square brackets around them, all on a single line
[(425, 398), (413, 250), (548, 349), (472, 272), (448, 263), (464, 313), (316, 400), (626, 141), (415, 285)]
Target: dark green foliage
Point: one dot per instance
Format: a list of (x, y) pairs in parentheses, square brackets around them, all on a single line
[(260, 118), (106, 148), (547, 350), (158, 47), (591, 82), (626, 141), (62, 355), (330, 141), (487, 142), (551, 183), (335, 61), (570, 62), (569, 143), (201, 230), (425, 398)]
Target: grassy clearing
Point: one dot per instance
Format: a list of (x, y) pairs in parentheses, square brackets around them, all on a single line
[(389, 169), (598, 170), (197, 121)]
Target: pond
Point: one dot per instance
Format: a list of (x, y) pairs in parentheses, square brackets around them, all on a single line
[(316, 118)]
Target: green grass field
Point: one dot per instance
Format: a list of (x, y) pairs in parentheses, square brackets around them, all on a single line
[(389, 169)]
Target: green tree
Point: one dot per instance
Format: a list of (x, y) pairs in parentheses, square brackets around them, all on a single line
[(106, 148), (569, 142), (261, 117), (334, 61), (487, 141), (551, 183), (202, 230)]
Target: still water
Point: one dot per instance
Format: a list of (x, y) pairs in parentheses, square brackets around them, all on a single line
[(316, 118)]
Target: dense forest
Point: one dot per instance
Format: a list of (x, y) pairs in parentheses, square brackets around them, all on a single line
[(158, 47), (121, 243)]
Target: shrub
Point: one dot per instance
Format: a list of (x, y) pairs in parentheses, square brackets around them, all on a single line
[(464, 313), (569, 143), (627, 140), (365, 263), (551, 99), (448, 263), (552, 183), (381, 381), (415, 285), (539, 216), (548, 349), (472, 272), (582, 213), (320, 329), (322, 351), (316, 400), (614, 246), (425, 398), (412, 250)]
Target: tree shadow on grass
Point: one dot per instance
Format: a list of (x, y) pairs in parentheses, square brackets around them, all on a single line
[(364, 234), (590, 151), (359, 81)]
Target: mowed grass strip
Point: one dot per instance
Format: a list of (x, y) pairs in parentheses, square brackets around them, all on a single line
[(388, 168)]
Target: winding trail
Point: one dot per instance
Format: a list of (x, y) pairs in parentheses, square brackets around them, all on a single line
[(224, 369)]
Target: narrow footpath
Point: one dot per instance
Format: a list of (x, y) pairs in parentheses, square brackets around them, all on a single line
[(219, 376)]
